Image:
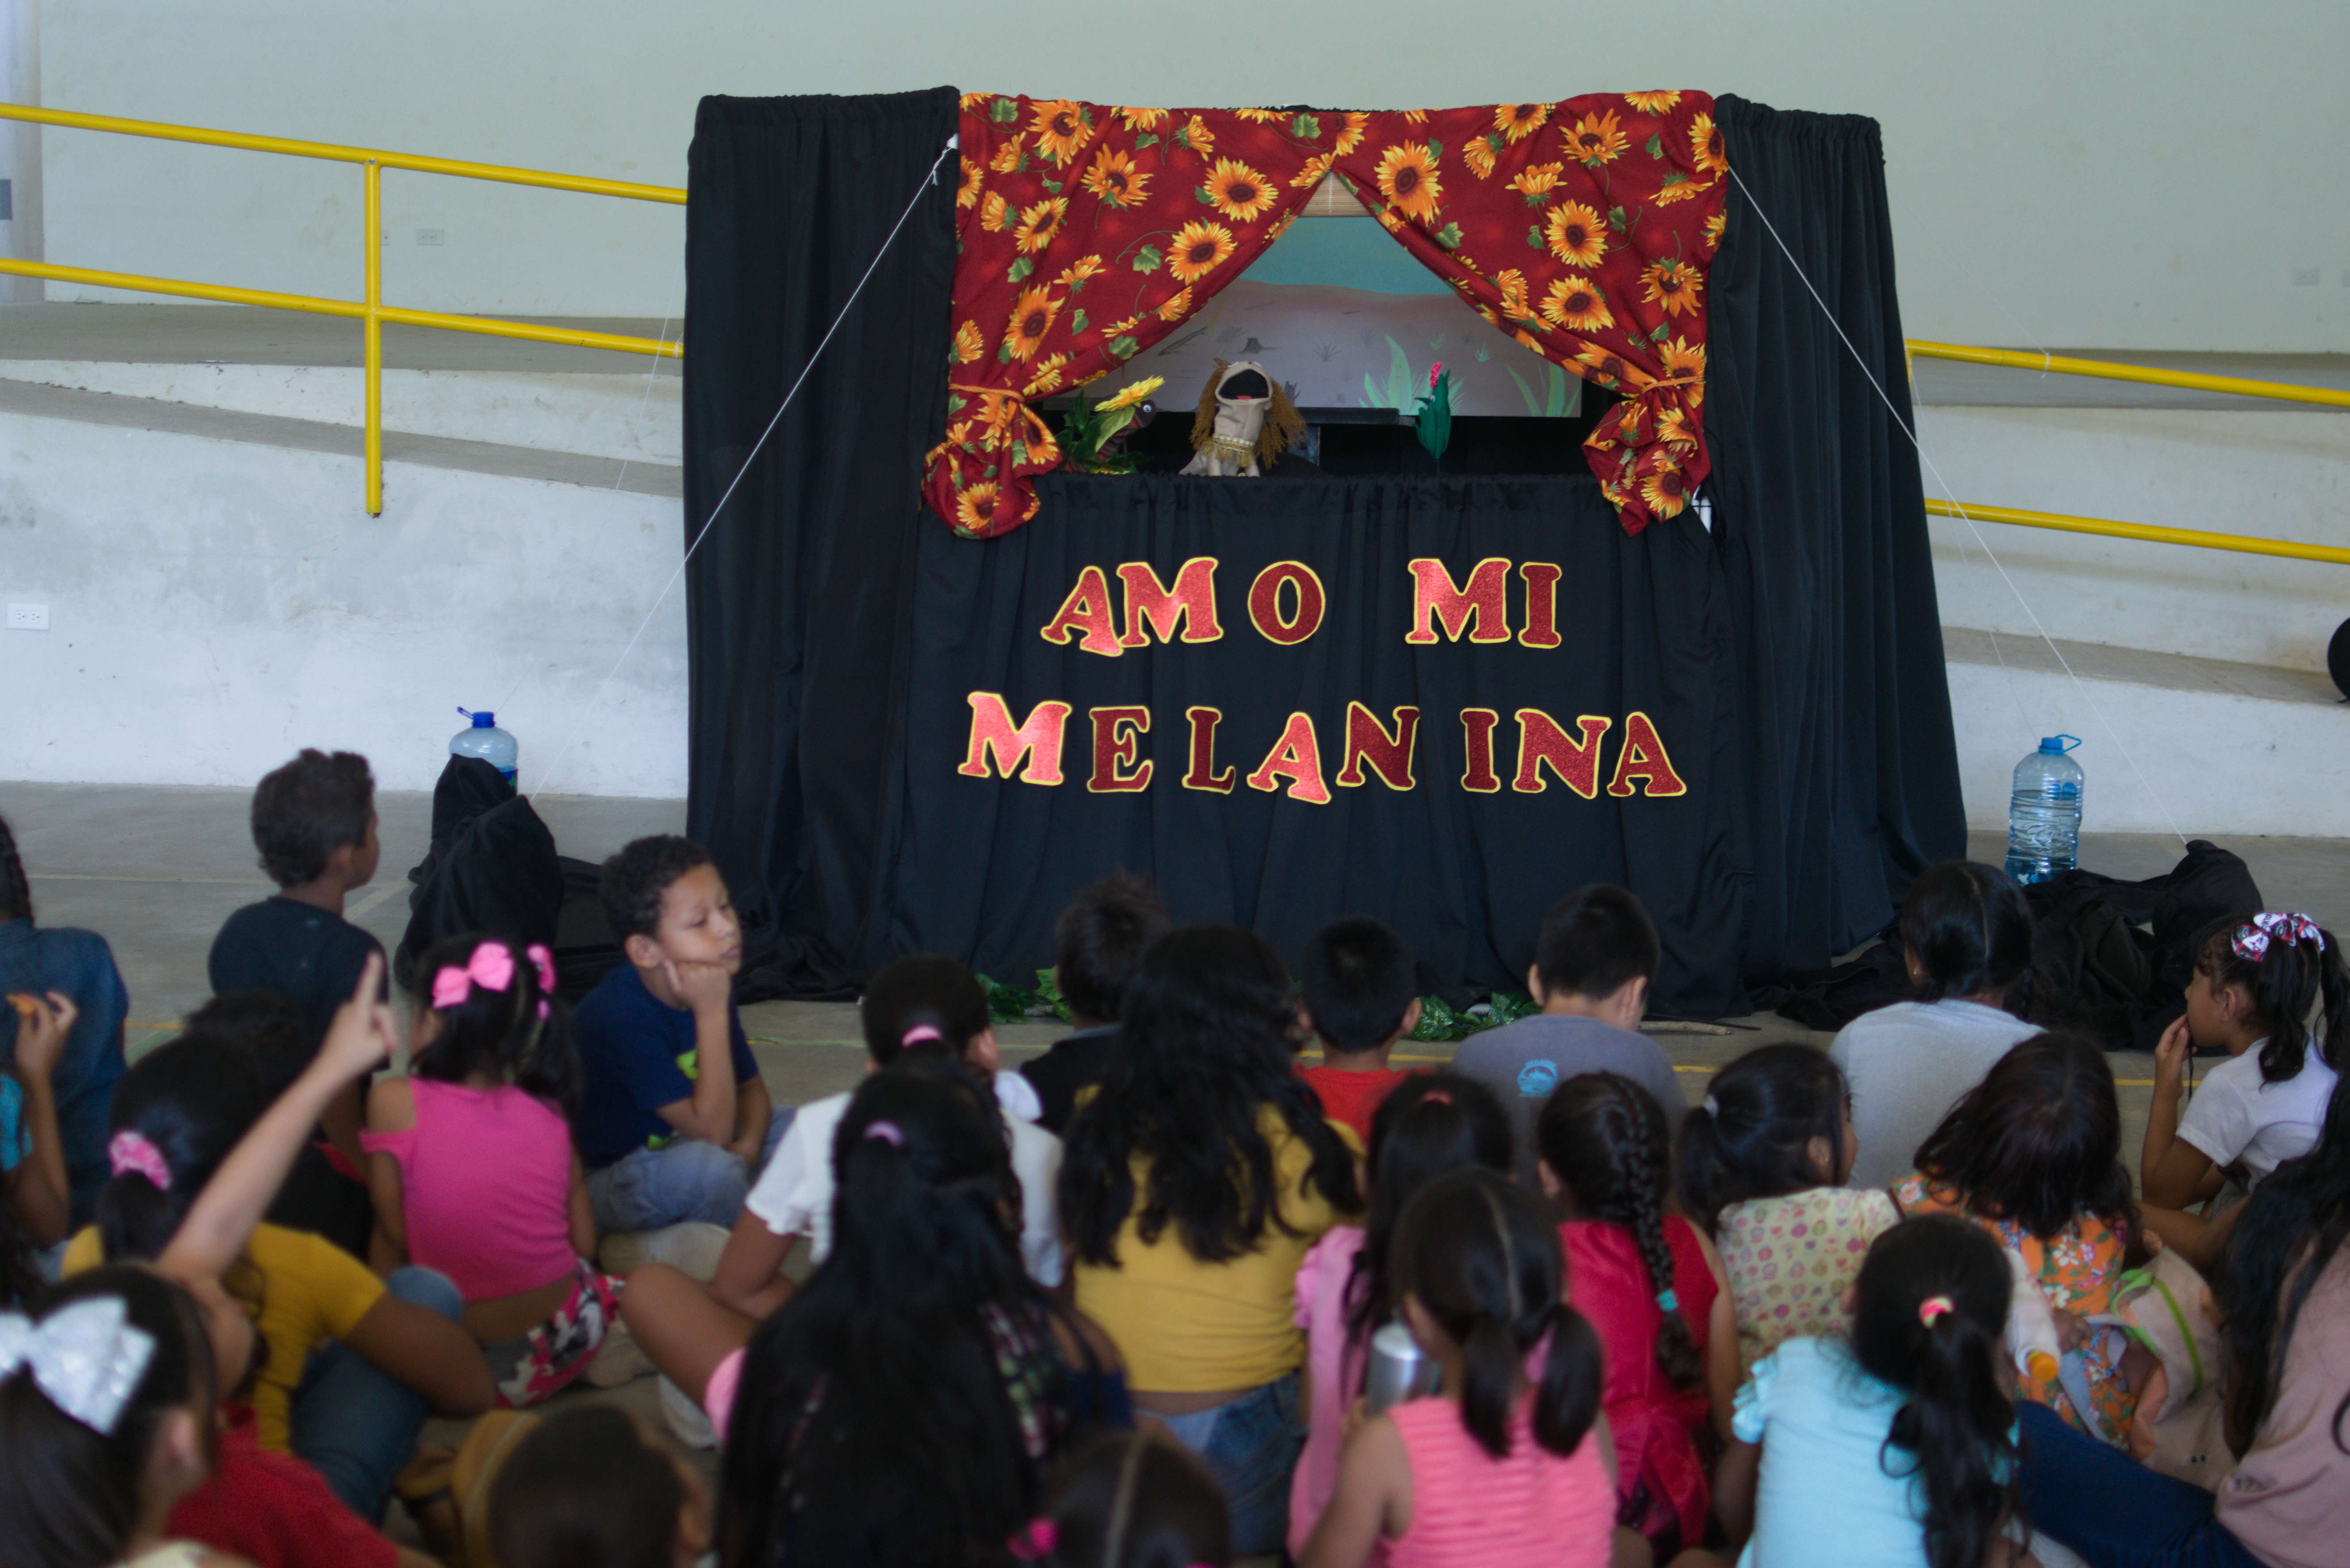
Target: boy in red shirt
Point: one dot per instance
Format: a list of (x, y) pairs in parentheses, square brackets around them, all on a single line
[(1358, 982)]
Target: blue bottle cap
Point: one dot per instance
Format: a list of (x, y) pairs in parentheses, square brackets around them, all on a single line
[(490, 721), (2056, 744)]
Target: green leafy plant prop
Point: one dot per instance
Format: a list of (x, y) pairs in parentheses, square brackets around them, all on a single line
[(1434, 419), (1440, 1022), (1011, 1004), (1090, 430)]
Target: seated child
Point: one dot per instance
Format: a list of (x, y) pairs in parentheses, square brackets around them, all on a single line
[(1358, 984), (2284, 1310), (35, 1202), (589, 1488), (2033, 1154), (1435, 1123), (274, 1036), (122, 1404), (473, 1170), (674, 1121), (2259, 981), (1762, 1169), (313, 821), (1896, 1447), (1099, 943), (1649, 1283), (1504, 1467), (34, 962), (926, 1006), (1128, 1500), (1966, 938), (110, 1427), (1593, 963), (915, 1389), (1190, 1264), (352, 1362)]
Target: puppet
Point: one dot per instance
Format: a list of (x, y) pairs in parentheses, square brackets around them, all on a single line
[(1245, 422)]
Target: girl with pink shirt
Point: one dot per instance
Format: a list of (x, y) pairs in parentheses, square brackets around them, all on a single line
[(1426, 1126), (471, 1168), (1500, 1469)]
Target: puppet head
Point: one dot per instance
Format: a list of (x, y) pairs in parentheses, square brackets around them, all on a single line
[(1236, 387)]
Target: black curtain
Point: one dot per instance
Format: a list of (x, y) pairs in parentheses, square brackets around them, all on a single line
[(796, 601), (1827, 734), (1852, 782), (985, 864)]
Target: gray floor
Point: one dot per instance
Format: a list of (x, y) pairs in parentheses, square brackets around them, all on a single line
[(157, 870)]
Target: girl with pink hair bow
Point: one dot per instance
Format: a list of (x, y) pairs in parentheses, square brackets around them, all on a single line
[(473, 1170)]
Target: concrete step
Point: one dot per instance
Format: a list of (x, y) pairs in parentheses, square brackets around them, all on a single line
[(638, 418), (2169, 741), (499, 459)]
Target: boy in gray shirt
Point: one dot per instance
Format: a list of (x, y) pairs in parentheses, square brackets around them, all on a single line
[(1593, 963)]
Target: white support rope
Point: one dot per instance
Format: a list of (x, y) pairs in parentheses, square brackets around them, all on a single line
[(1942, 484), (703, 532)]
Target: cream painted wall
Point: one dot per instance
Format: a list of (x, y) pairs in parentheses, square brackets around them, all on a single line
[(2147, 175)]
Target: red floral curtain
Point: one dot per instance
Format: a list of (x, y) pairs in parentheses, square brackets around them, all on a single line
[(1088, 232), (1585, 230)]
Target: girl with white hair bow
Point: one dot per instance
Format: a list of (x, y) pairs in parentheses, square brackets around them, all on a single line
[(107, 1388)]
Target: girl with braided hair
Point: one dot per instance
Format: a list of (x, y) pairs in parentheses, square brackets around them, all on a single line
[(1508, 1465), (1653, 1287)]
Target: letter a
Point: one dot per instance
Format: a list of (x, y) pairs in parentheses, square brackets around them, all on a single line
[(1086, 610), (1644, 758), (1297, 757)]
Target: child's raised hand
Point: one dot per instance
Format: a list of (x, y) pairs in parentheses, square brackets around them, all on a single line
[(2170, 1053), (700, 986), (363, 1033), (42, 1027)]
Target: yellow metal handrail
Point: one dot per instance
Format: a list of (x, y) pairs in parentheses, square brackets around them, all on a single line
[(2197, 538), (368, 311), (2107, 370)]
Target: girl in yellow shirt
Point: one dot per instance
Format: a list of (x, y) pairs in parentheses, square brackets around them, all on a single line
[(1191, 1184)]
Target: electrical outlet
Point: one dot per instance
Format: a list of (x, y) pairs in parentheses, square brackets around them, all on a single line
[(2304, 276), (430, 237), (28, 617)]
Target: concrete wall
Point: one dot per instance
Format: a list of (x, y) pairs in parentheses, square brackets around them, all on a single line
[(2158, 758), (214, 605), (2145, 176), (2270, 473)]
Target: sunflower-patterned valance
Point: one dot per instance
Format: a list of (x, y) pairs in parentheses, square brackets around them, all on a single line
[(1088, 232)]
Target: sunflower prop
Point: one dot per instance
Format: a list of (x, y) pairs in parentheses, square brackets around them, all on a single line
[(1091, 433), (1434, 420), (1245, 422)]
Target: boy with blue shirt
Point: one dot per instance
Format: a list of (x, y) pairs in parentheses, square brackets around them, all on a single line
[(674, 1121)]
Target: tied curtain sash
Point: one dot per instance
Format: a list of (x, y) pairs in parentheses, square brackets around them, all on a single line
[(1088, 232)]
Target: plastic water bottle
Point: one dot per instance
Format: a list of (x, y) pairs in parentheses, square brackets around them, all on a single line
[(484, 740), (2043, 814)]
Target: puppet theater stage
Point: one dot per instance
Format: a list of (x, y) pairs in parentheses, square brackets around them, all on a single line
[(938, 681)]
